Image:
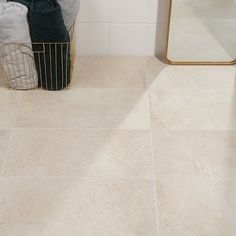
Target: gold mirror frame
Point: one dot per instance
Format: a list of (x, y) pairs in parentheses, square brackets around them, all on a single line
[(168, 61)]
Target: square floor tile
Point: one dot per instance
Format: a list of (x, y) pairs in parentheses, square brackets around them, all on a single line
[(194, 154), (193, 207), (193, 109), (80, 153), (77, 207), (85, 108), (191, 77)]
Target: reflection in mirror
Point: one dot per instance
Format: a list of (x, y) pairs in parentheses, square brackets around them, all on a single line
[(202, 31)]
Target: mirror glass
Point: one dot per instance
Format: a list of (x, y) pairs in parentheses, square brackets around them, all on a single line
[(202, 31)]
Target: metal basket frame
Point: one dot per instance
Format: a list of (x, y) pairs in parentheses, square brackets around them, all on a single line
[(27, 48)]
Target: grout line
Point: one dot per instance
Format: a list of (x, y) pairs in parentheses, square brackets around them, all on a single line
[(153, 164), (11, 129), (17, 109), (72, 178), (6, 154), (111, 88), (82, 129), (120, 129), (110, 178), (155, 185)]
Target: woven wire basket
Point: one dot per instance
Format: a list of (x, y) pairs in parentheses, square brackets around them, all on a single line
[(42, 64)]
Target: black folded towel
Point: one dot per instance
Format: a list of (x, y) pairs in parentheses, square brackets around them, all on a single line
[(51, 43), (24, 2)]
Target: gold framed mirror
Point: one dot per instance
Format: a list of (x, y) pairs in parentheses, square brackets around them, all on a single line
[(201, 32)]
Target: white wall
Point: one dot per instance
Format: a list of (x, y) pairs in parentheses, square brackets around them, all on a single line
[(121, 27)]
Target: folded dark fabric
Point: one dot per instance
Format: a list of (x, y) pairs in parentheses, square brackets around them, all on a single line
[(51, 43), (70, 9), (24, 2), (47, 25)]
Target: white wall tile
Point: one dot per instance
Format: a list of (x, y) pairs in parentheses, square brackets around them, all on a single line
[(128, 39), (129, 11), (119, 27), (92, 38), (94, 11)]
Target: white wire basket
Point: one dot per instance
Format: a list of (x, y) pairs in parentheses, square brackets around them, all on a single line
[(47, 65)]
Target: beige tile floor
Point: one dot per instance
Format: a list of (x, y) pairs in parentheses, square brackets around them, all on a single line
[(134, 148)]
